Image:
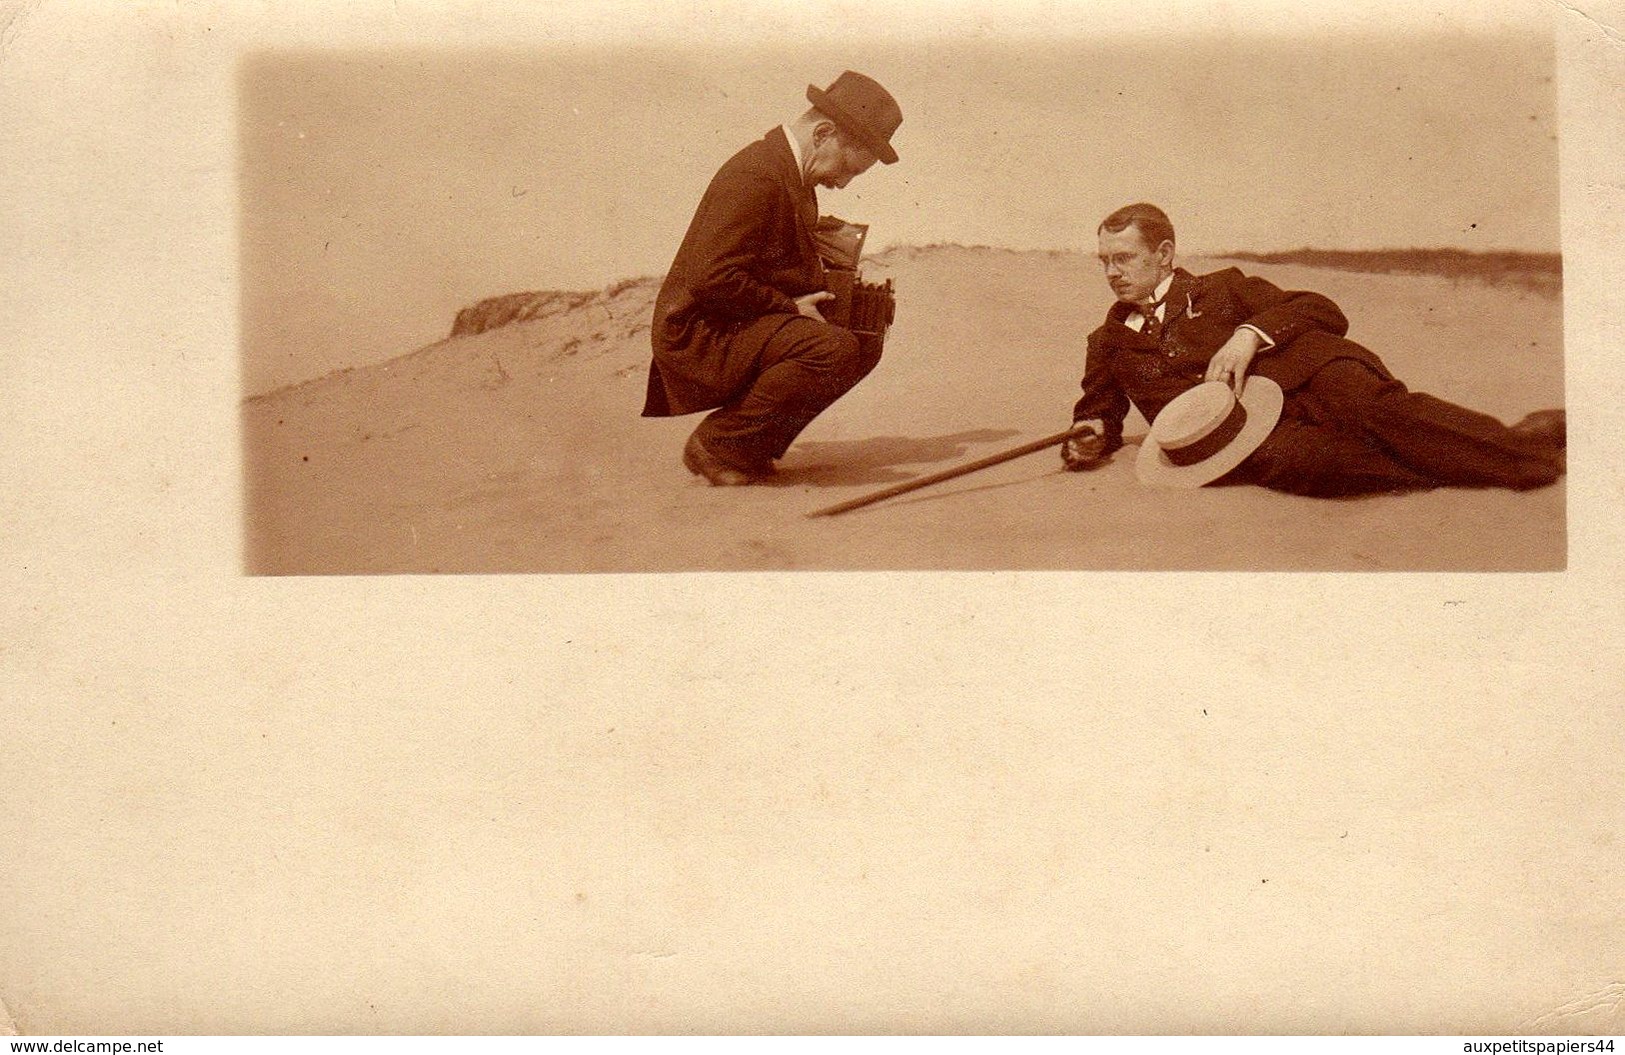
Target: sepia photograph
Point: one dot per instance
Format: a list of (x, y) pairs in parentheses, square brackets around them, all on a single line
[(735, 518), (592, 309)]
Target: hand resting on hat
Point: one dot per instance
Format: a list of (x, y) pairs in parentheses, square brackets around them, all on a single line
[(1230, 362)]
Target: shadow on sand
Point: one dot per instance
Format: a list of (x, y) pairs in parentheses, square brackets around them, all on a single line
[(839, 463)]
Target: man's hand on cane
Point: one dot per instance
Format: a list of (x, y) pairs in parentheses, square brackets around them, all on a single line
[(1086, 450)]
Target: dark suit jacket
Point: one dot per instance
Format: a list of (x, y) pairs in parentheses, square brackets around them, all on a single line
[(1201, 313), (748, 253)]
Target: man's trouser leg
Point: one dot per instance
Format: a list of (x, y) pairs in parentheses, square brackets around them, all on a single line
[(803, 368), (1449, 444), (1303, 458)]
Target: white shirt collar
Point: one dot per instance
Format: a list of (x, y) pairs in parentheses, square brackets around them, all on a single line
[(1162, 291), (795, 151), (1137, 317)]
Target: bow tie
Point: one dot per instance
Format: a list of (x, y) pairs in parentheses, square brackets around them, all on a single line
[(1152, 326)]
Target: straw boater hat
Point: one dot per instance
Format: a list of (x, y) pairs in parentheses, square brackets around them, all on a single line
[(862, 109), (1206, 432)]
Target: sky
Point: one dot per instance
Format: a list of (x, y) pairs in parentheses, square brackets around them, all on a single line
[(381, 190)]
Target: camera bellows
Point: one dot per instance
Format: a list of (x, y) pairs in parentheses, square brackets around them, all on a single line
[(874, 306)]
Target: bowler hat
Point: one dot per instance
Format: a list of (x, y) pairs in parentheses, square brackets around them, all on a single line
[(862, 109), (1206, 432)]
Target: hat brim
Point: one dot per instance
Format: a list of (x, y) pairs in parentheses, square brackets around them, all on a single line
[(851, 125), (1262, 399)]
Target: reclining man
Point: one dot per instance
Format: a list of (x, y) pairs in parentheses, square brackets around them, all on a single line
[(1347, 426), (736, 324)]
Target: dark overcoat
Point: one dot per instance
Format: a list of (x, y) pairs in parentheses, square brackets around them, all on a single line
[(749, 252), (1201, 313)]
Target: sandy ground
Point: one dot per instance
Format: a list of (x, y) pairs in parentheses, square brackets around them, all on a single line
[(521, 449)]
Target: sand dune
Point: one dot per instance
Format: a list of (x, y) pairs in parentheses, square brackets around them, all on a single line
[(520, 448)]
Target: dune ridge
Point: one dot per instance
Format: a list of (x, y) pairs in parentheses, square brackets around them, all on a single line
[(1542, 272)]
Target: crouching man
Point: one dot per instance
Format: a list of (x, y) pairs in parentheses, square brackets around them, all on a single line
[(736, 324)]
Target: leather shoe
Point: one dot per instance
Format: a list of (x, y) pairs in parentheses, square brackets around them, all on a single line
[(700, 462), (1549, 425)]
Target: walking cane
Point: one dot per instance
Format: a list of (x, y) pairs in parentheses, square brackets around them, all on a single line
[(948, 474)]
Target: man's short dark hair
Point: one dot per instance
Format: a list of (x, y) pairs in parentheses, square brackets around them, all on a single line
[(1153, 223)]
